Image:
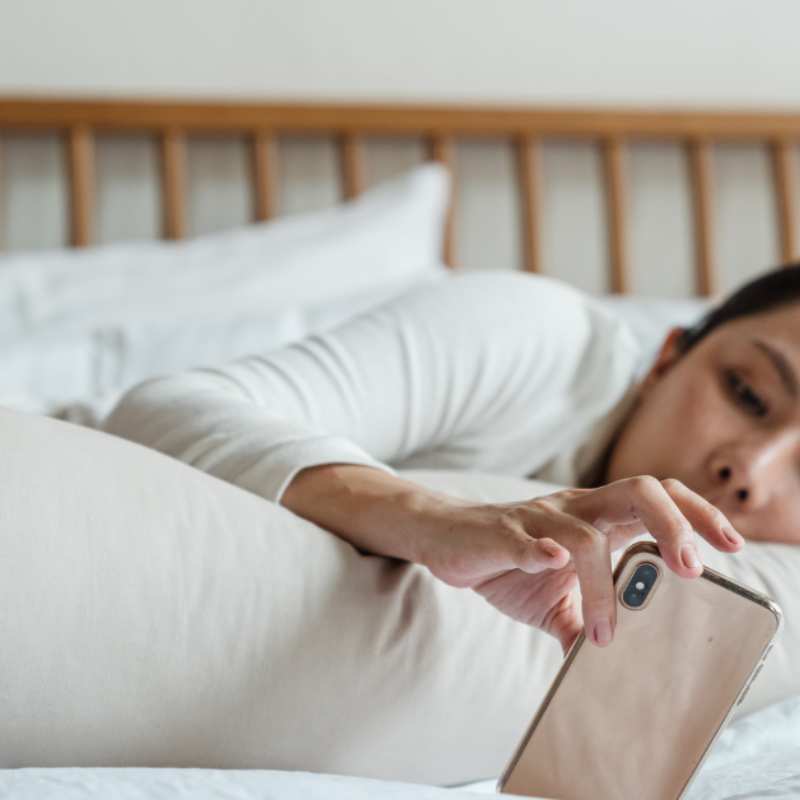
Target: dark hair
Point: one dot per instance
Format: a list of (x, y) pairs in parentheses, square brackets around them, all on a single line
[(772, 290)]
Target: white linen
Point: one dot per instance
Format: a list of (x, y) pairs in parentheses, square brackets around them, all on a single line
[(771, 776), (202, 784), (498, 373), (80, 326), (770, 732)]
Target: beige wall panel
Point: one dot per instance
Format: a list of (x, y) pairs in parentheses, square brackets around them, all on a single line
[(220, 193), (487, 222), (744, 195), (388, 157), (574, 219), (309, 174), (127, 202), (35, 194), (661, 233)]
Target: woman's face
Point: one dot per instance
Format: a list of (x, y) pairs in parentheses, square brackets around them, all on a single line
[(724, 419)]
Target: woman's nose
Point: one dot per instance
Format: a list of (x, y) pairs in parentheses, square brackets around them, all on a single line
[(750, 473), (739, 486)]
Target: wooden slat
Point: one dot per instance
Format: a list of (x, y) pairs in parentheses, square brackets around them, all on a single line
[(42, 113), (701, 157), (351, 150), (173, 183), (614, 152), (441, 150), (784, 160), (528, 158), (81, 185), (265, 175)]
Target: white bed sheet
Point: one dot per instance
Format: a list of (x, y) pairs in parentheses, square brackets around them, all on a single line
[(206, 784), (760, 777)]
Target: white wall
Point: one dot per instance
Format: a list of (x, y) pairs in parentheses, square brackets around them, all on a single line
[(621, 52)]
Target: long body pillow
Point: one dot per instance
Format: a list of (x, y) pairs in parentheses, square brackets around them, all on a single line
[(152, 615)]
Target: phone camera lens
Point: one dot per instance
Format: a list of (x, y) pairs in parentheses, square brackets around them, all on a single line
[(639, 586)]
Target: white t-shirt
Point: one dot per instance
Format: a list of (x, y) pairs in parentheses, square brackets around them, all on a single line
[(503, 373)]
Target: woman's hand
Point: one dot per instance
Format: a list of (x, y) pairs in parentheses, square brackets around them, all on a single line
[(526, 558)]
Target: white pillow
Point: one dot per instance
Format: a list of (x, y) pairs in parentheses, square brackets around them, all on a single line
[(650, 319), (131, 311)]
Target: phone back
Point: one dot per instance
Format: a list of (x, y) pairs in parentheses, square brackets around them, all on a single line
[(636, 719)]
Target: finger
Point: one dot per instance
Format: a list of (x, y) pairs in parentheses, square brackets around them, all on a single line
[(591, 553), (525, 553), (530, 598), (479, 555), (622, 535), (568, 622), (565, 620), (592, 558), (705, 518), (644, 498), (534, 555)]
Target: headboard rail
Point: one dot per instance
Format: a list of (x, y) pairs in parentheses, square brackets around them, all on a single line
[(80, 120)]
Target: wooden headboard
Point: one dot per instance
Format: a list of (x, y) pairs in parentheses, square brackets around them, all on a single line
[(79, 120)]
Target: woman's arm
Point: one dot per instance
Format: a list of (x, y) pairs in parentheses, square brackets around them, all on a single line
[(525, 558)]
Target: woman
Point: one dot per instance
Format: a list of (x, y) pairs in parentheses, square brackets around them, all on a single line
[(518, 375)]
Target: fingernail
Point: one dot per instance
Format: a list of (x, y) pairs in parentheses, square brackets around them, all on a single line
[(553, 551), (731, 535), (603, 632), (689, 557)]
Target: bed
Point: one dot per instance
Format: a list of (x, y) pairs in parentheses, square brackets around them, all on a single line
[(44, 336)]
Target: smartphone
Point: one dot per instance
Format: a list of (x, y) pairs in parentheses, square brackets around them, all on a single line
[(635, 720)]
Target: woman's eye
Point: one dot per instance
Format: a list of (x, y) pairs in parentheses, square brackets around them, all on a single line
[(745, 396)]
